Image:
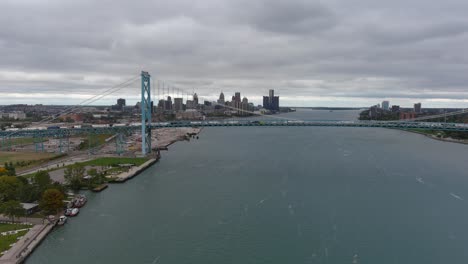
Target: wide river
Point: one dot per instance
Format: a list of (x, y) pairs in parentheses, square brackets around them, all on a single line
[(281, 195)]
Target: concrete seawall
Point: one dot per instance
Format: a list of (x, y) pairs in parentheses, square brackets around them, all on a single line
[(21, 250), (124, 176)]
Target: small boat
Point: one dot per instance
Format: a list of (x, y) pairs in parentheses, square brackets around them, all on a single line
[(79, 201), (62, 220), (74, 211)]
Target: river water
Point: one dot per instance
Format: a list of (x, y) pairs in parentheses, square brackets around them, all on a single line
[(281, 195)]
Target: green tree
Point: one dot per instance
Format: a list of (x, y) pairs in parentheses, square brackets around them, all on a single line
[(26, 192), (42, 179), (9, 187), (10, 169), (74, 176), (12, 209), (51, 201), (96, 178)]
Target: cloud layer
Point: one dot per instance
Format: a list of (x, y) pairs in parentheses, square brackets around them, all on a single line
[(337, 52)]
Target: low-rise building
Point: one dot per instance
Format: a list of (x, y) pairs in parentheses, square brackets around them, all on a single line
[(30, 208)]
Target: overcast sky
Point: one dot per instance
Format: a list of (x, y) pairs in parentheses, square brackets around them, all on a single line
[(313, 53)]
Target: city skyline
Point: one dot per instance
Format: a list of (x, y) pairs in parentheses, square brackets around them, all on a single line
[(331, 54)]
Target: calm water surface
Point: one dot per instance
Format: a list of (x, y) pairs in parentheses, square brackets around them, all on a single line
[(281, 195)]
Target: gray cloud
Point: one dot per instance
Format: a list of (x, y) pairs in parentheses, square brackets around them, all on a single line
[(362, 49)]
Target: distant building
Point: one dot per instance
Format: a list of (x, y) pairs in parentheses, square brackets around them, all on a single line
[(161, 104), (195, 99), (407, 115), (76, 117), (178, 104), (221, 99), (244, 107), (14, 115), (417, 108), (121, 103), (386, 105), (375, 112), (190, 104), (275, 103), (168, 104), (266, 102), (237, 97), (271, 102), (395, 108)]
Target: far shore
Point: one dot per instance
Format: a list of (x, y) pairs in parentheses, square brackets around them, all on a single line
[(451, 140)]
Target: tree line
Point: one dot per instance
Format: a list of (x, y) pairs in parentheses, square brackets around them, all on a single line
[(40, 188)]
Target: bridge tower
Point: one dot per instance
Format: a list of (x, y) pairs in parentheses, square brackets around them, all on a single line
[(146, 110)]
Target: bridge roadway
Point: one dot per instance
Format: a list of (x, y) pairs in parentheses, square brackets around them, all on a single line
[(64, 132)]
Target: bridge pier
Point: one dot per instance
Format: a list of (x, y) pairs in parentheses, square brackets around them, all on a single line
[(120, 144), (64, 142), (38, 142), (6, 143), (92, 143)]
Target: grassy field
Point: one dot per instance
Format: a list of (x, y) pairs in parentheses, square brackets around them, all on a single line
[(24, 156), (114, 161), (6, 241), (108, 161), (10, 227)]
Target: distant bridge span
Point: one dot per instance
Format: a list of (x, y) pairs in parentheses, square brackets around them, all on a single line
[(234, 123)]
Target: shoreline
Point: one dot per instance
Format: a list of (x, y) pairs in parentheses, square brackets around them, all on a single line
[(22, 249), (437, 138)]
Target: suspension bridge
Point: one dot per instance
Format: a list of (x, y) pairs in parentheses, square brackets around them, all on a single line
[(145, 128)]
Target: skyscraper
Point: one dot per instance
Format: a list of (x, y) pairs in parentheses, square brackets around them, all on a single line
[(195, 99), (417, 108), (221, 99), (244, 107), (178, 104), (266, 102), (168, 104), (121, 102), (237, 97), (386, 105), (271, 102)]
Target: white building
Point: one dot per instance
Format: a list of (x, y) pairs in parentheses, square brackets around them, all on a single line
[(14, 115)]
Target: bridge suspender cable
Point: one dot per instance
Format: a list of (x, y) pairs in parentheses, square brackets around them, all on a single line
[(86, 102), (233, 108)]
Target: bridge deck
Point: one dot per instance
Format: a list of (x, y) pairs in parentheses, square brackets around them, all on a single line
[(234, 123)]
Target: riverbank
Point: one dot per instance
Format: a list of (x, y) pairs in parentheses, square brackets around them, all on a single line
[(134, 171), (165, 137), (27, 243), (432, 136), (162, 139)]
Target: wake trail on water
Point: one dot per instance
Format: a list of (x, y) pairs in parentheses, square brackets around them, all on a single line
[(456, 197)]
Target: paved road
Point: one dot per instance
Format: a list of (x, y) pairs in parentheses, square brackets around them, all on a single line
[(53, 164)]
